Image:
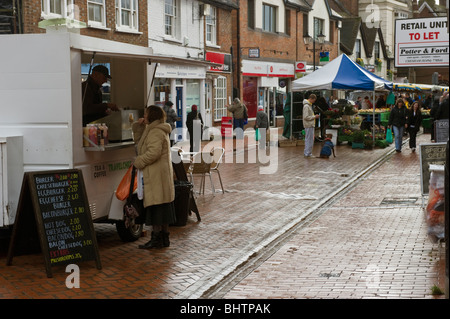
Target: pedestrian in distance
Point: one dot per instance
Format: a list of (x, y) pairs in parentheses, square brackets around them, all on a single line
[(194, 124), (309, 123), (151, 134), (240, 112), (433, 115), (397, 121), (172, 118), (414, 121), (443, 109), (261, 126)]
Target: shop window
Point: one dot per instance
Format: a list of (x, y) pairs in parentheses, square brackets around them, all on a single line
[(269, 19), (56, 8), (211, 26), (220, 98), (162, 90), (96, 13), (127, 15), (192, 94)]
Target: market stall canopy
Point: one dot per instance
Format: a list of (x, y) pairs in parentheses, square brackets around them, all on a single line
[(341, 74), (406, 87)]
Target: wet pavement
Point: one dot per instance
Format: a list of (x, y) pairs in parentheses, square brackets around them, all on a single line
[(349, 227)]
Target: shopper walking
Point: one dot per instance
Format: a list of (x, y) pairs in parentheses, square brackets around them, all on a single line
[(414, 121), (172, 117), (151, 134), (262, 126), (194, 124), (239, 111), (309, 123), (397, 120)]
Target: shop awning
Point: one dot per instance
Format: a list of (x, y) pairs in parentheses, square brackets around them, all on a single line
[(109, 48)]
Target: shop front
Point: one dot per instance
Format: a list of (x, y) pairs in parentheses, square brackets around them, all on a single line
[(265, 83), (218, 87), (184, 85)]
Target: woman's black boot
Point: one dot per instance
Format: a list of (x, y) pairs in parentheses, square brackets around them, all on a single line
[(165, 239), (155, 241)]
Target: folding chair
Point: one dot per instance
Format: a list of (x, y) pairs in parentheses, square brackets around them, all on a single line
[(216, 160), (201, 165)]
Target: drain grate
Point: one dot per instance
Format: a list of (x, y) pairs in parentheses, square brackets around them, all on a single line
[(399, 201)]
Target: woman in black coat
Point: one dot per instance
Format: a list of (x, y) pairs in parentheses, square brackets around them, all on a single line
[(414, 121)]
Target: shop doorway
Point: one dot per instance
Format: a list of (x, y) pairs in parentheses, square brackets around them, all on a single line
[(208, 103)]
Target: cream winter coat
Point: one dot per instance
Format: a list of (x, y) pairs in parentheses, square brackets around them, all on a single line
[(309, 118), (153, 146)]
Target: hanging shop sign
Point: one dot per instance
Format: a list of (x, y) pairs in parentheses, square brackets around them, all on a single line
[(223, 59), (421, 42), (300, 66)]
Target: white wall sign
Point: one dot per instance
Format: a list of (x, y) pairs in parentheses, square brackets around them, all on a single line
[(421, 42), (180, 71), (263, 68)]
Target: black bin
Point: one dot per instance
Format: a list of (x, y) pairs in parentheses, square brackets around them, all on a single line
[(182, 201)]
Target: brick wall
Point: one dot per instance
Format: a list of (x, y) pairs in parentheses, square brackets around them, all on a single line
[(32, 16)]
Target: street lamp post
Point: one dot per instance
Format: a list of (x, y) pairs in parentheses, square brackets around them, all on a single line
[(321, 39)]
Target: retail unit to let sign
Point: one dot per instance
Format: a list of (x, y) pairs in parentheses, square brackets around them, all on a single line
[(421, 42)]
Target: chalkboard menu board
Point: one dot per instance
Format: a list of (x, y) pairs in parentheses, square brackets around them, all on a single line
[(433, 153), (61, 215), (441, 128)]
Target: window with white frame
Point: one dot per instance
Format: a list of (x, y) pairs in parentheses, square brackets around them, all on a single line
[(56, 8), (211, 26), (220, 98), (170, 18), (97, 13), (127, 15), (269, 19), (318, 27), (376, 49)]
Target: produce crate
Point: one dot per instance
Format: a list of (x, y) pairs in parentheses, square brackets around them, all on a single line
[(357, 145)]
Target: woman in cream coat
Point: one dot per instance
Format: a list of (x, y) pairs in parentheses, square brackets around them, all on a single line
[(153, 147)]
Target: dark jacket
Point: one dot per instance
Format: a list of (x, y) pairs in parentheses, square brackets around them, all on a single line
[(93, 106), (190, 120), (398, 116), (262, 120), (442, 111), (414, 120)]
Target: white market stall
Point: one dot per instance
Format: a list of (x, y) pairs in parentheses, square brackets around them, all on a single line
[(342, 74)]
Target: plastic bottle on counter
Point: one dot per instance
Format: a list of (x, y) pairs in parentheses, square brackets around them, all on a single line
[(105, 133), (100, 140), (86, 136), (93, 134)]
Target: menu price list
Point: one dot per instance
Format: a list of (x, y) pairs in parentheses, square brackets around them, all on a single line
[(64, 217)]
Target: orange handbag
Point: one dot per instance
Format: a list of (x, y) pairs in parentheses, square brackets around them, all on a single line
[(123, 190)]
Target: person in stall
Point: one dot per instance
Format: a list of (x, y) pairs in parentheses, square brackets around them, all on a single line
[(93, 106)]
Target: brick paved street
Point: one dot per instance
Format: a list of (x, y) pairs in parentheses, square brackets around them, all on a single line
[(352, 240)]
